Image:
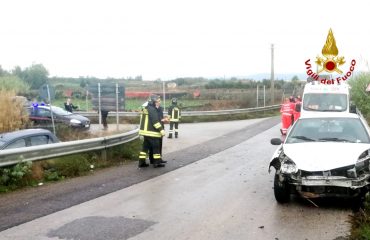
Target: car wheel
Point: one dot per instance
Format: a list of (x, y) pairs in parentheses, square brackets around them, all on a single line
[(358, 202), (281, 190)]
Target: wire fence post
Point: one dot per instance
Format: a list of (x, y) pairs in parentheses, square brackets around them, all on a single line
[(164, 96), (51, 110), (264, 96), (257, 95), (87, 98), (99, 107), (117, 115)]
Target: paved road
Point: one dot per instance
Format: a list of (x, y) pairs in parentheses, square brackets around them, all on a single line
[(226, 194)]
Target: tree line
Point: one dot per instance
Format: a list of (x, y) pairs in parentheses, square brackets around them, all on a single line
[(22, 80)]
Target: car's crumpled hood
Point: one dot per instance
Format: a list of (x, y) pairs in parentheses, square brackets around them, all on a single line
[(323, 156)]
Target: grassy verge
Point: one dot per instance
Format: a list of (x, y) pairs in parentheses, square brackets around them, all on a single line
[(25, 174), (360, 222)]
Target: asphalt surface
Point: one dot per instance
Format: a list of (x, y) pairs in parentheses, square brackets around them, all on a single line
[(196, 142), (216, 188)]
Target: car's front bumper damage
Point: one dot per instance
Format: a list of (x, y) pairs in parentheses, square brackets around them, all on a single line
[(328, 186)]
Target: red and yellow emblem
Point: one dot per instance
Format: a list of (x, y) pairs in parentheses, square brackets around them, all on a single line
[(331, 61)]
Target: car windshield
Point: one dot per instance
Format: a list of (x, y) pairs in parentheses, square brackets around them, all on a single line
[(325, 102), (60, 111), (328, 130)]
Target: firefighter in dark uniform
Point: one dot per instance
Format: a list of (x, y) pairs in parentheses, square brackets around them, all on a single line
[(152, 131), (162, 120), (175, 114)]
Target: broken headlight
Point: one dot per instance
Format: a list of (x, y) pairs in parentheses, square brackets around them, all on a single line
[(287, 165)]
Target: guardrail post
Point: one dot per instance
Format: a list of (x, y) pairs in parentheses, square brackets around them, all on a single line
[(104, 155)]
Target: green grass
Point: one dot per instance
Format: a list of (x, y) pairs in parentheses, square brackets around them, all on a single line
[(360, 222)]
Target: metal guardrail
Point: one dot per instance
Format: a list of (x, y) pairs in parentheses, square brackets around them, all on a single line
[(227, 112), (47, 151), (191, 113)]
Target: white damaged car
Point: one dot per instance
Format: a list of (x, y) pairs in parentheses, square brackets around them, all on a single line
[(323, 155)]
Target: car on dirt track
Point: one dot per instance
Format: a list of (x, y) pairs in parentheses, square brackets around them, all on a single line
[(41, 117), (26, 138), (323, 155)]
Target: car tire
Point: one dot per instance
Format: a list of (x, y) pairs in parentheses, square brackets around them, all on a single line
[(281, 190), (358, 202)]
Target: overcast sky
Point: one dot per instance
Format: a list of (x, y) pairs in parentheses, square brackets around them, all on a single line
[(169, 38)]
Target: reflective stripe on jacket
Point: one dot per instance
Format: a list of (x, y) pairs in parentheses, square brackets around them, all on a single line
[(150, 125), (174, 113)]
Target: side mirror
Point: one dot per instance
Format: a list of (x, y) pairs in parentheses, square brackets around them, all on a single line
[(352, 108), (298, 107), (276, 141)]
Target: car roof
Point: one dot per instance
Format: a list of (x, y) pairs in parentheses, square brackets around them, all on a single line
[(316, 114), (8, 136)]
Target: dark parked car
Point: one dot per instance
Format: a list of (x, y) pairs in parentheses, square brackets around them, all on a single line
[(41, 116), (26, 138)]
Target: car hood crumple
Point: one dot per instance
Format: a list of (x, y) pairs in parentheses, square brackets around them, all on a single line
[(324, 156)]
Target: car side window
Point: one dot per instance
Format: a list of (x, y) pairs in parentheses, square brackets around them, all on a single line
[(39, 140), (43, 113), (17, 144)]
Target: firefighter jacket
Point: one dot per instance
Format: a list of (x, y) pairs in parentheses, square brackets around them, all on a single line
[(174, 113), (150, 125), (160, 115)]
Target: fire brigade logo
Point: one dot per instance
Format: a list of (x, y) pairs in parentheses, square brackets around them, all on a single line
[(331, 61)]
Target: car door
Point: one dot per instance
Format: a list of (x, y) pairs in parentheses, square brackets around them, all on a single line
[(40, 116), (40, 140), (17, 144)]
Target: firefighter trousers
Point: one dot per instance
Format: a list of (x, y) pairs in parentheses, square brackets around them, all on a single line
[(172, 130), (151, 158), (151, 144)]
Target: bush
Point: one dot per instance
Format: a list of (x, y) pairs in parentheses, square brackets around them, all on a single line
[(359, 95), (69, 166), (15, 176), (360, 222), (13, 116), (128, 150), (14, 84)]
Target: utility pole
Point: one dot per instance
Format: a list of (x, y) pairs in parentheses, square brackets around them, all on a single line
[(164, 96), (272, 75), (257, 95)]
